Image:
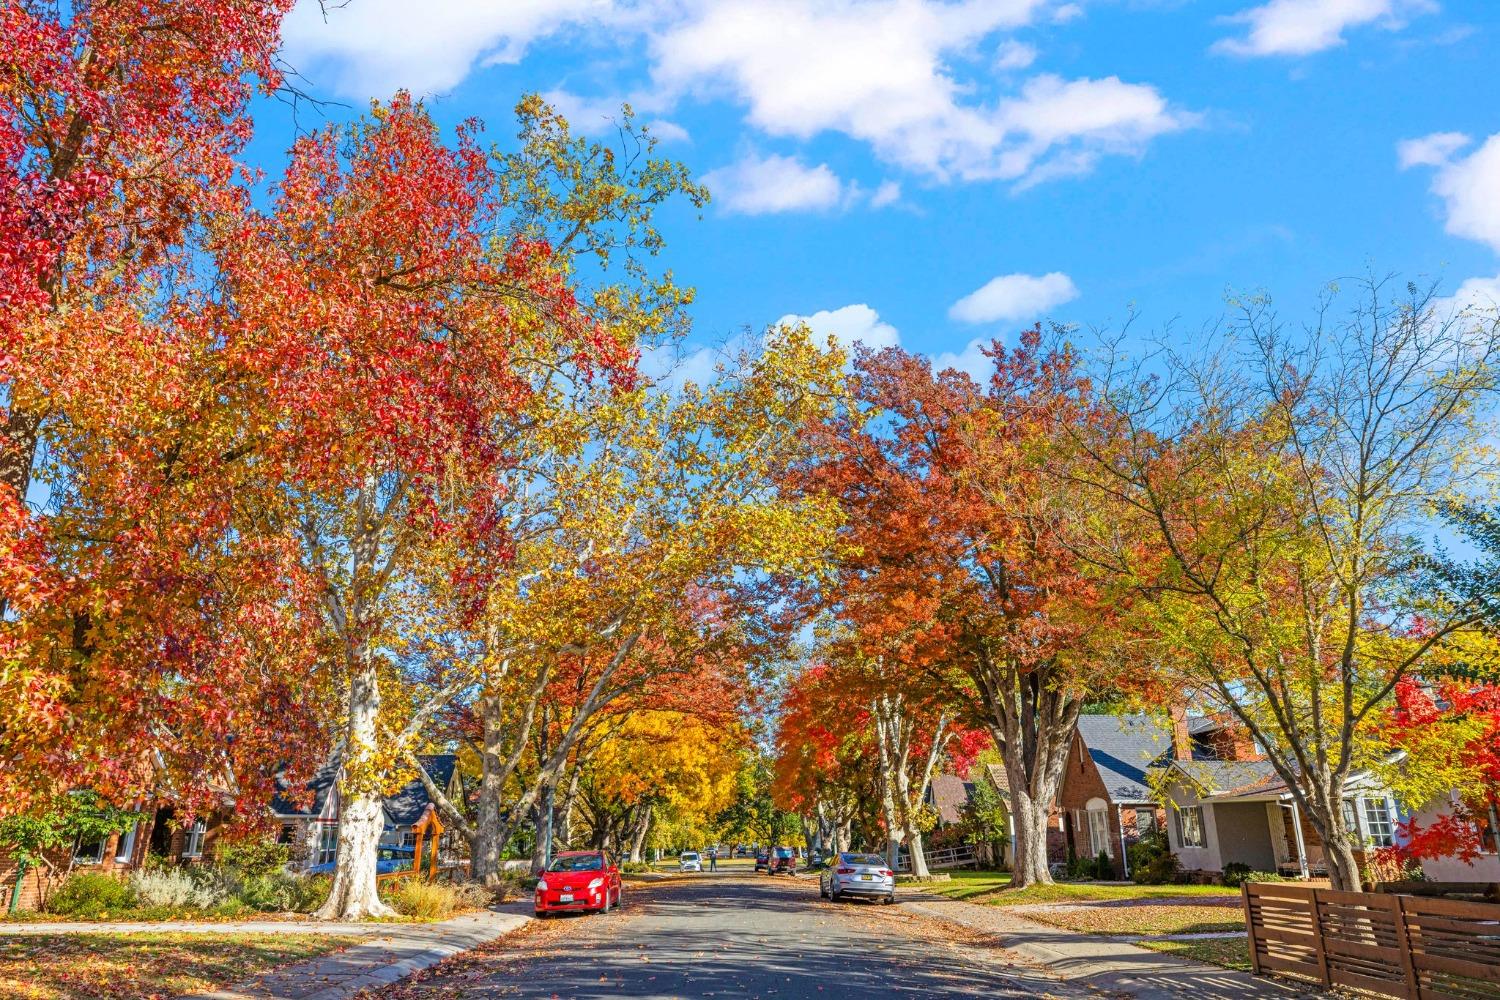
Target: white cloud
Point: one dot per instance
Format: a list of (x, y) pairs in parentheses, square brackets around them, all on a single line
[(1433, 150), (1014, 55), (971, 359), (759, 185), (1476, 296), (888, 193), (601, 116), (1300, 27), (889, 73), (374, 47), (849, 325), (1469, 186), (878, 71), (1012, 297)]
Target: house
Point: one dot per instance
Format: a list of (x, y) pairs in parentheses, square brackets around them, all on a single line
[(1243, 812), (1105, 802), (311, 826), (947, 794)]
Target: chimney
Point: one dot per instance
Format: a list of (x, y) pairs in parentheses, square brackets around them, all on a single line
[(1182, 740)]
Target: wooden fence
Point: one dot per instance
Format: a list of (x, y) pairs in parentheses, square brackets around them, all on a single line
[(1395, 946)]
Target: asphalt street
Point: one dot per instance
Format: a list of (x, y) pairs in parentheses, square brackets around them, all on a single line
[(734, 935)]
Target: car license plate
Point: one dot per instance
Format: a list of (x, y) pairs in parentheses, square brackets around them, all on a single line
[(867, 878), (566, 897)]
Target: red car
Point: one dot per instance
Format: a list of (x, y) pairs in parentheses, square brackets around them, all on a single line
[(579, 881)]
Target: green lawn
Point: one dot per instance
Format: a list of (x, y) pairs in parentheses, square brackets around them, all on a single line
[(968, 885), (145, 966), (1231, 953), (1147, 918), (993, 888)]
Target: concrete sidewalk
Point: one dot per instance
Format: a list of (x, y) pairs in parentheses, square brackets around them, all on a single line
[(393, 952), (1105, 963)]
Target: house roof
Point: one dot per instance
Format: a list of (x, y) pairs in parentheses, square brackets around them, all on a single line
[(998, 778), (1122, 748), (1231, 778), (950, 794), (321, 784), (406, 806)]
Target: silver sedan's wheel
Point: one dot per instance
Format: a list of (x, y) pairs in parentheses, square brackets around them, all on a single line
[(889, 899)]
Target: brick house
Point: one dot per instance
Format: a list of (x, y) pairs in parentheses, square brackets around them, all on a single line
[(117, 854), (1106, 802)]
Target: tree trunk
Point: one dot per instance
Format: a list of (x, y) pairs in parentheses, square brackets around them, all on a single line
[(565, 810), (1029, 840), (638, 841), (484, 864), (915, 849), (361, 816)]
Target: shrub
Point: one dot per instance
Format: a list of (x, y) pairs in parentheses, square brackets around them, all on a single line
[(636, 867), (1103, 866), (1162, 869), (1236, 873), (1143, 852), (176, 889), (253, 858), (91, 894), (436, 900), (1081, 868), (1264, 877)]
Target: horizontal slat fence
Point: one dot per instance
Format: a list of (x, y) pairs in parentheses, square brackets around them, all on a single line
[(1395, 946)]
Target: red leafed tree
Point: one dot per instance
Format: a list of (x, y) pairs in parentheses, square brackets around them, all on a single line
[(140, 634), (961, 522), (390, 326), (1450, 732)]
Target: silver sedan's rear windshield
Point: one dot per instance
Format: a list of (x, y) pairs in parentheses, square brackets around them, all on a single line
[(861, 859)]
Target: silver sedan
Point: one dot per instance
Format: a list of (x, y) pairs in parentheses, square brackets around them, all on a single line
[(858, 875)]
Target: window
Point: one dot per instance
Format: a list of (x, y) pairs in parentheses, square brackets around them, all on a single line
[(89, 852), (125, 849), (192, 846), (328, 843), (1099, 832), (408, 838), (1190, 826), (1145, 822), (1351, 818), (288, 834), (1378, 823)]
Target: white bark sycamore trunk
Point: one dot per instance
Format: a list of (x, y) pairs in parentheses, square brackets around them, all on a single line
[(901, 798), (638, 841), (361, 816)]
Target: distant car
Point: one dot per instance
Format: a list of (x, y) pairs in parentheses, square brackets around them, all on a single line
[(783, 859), (579, 881), (858, 875), (762, 859), (689, 861), (388, 861)]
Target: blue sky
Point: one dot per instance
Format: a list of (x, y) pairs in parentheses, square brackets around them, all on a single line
[(939, 173)]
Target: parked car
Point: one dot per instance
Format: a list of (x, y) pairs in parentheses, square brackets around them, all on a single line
[(388, 860), (858, 875), (783, 859), (689, 861), (762, 859), (579, 881)]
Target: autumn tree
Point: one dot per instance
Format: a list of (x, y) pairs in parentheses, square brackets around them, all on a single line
[(1280, 481), (960, 552), (145, 643), (634, 574)]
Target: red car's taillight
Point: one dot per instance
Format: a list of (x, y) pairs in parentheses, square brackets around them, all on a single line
[(845, 871)]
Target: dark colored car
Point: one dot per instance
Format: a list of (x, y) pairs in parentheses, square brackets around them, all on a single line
[(579, 880), (387, 861), (783, 860), (762, 859)]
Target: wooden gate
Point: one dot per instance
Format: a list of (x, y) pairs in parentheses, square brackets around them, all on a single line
[(1396, 946)]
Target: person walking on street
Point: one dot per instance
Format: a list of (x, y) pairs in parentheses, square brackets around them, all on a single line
[(713, 859)]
